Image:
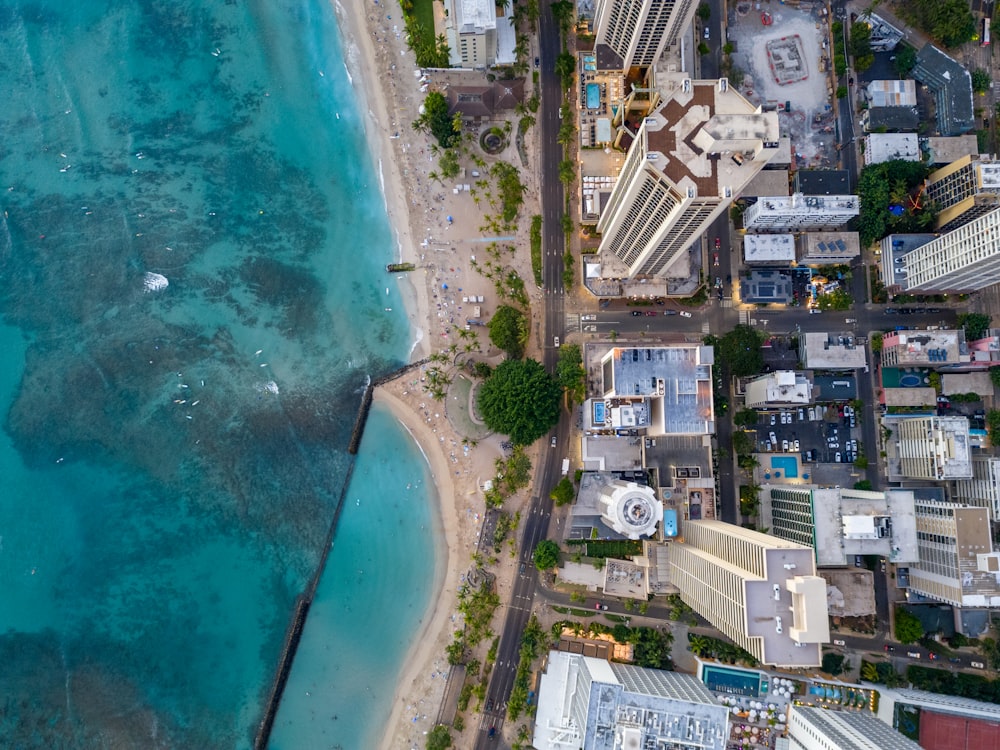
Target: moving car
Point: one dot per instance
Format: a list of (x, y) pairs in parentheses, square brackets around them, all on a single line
[(718, 243), (553, 442), (685, 314), (669, 312), (715, 258), (636, 314), (913, 654), (814, 311)]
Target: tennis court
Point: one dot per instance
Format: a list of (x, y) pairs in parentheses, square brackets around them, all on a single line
[(946, 732)]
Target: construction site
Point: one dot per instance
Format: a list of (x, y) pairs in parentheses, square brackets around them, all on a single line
[(784, 57)]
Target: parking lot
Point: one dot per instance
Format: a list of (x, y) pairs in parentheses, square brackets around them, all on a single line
[(819, 434)]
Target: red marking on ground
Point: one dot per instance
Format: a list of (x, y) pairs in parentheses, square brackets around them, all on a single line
[(945, 732)]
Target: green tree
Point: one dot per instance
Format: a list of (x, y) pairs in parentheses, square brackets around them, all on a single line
[(436, 120), (567, 171), (570, 373), (439, 738), (995, 376), (868, 671), (745, 418), (566, 68), (908, 627), (833, 663), (876, 342), (703, 49), (546, 555), (860, 46), (509, 330), (521, 400), (975, 324), (704, 11), (980, 81), (511, 190), (906, 60), (448, 164), (950, 21), (563, 493), (841, 92), (562, 11), (740, 351), (874, 187), (743, 443), (993, 425), (864, 484)]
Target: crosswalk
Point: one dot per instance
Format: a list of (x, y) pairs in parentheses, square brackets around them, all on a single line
[(572, 322), (744, 317)]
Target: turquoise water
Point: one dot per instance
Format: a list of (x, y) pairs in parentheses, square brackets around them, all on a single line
[(788, 464), (171, 459), (727, 680)]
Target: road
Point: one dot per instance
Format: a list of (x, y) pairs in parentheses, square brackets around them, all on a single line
[(536, 519)]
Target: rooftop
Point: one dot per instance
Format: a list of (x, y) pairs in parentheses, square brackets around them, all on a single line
[(892, 93), (624, 706), (832, 247), (891, 118), (763, 287), (769, 248), (952, 87), (831, 351), (822, 182), (767, 182), (706, 137), (944, 149), (924, 347), (880, 147), (677, 380), (798, 203)]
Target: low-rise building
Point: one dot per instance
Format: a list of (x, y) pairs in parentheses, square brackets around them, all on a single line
[(764, 287), (781, 388), (932, 448), (799, 213), (892, 93), (769, 249), (828, 248), (831, 351), (590, 703), (880, 147), (924, 348), (951, 84)]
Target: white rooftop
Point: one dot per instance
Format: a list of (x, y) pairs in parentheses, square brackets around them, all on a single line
[(831, 351), (880, 147), (769, 248)]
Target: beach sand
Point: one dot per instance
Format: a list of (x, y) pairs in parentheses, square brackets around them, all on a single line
[(382, 70)]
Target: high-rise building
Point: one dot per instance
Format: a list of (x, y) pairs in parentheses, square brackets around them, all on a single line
[(839, 523), (761, 591), (639, 30), (963, 260), (964, 190), (801, 213), (957, 562), (686, 162), (821, 729), (932, 448), (983, 488), (589, 703)]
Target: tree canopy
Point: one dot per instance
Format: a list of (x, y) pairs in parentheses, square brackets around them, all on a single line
[(740, 351), (908, 627), (436, 120), (509, 330), (521, 400), (949, 21), (975, 324), (860, 46), (546, 555), (704, 11), (892, 183), (570, 372), (439, 738), (980, 80), (906, 60), (563, 493)]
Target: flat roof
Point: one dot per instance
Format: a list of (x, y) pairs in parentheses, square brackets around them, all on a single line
[(924, 347), (944, 149), (880, 147), (677, 379), (831, 351), (823, 247), (892, 93), (764, 287), (822, 182), (951, 83), (769, 248), (767, 182)]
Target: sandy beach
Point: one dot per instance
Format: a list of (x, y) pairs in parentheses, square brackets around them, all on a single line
[(437, 229)]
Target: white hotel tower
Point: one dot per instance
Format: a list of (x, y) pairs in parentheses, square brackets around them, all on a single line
[(687, 161), (638, 30)]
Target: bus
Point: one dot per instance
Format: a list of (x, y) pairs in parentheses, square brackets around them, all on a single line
[(986, 33)]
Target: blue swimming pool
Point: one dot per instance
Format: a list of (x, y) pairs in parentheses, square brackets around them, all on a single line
[(598, 412), (593, 96), (787, 464), (910, 380), (731, 681)]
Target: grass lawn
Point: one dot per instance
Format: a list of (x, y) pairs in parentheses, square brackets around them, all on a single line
[(423, 11)]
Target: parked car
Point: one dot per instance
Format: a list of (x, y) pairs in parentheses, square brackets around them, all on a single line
[(636, 314), (685, 314), (977, 664), (784, 445), (669, 312), (814, 311), (553, 441), (913, 654), (839, 643), (651, 313), (795, 445), (837, 458), (772, 419), (890, 311)]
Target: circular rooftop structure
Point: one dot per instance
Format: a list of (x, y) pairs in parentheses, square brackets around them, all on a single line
[(631, 509)]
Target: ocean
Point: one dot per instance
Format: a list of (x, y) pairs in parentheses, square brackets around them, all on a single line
[(192, 297)]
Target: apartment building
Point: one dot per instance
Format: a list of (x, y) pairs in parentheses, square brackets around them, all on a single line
[(801, 213), (964, 190), (639, 30), (963, 260)]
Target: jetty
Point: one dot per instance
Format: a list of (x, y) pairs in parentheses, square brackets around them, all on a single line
[(304, 601)]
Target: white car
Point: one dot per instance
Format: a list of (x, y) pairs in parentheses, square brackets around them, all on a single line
[(837, 458), (773, 438), (815, 311), (685, 314), (772, 419), (802, 415), (795, 446), (784, 445)]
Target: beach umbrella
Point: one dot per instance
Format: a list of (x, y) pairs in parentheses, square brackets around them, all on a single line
[(781, 717)]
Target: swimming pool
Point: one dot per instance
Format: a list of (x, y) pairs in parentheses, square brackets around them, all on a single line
[(909, 380), (598, 412), (787, 464), (593, 96), (731, 681)]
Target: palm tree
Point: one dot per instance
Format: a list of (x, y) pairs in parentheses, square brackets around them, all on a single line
[(869, 672), (700, 645)]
